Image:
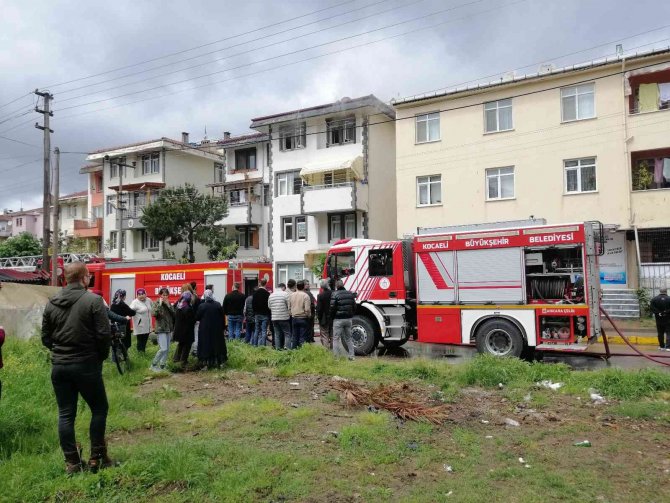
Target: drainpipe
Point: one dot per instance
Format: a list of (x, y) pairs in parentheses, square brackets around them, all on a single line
[(626, 139)]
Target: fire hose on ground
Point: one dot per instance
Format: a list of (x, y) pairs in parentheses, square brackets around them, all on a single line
[(625, 339)]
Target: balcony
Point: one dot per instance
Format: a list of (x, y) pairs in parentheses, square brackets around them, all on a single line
[(88, 228), (5, 233), (337, 197), (247, 213), (131, 218)]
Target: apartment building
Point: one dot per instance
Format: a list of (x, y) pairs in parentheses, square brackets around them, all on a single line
[(332, 176), (588, 142), (89, 225), (243, 178), (72, 208), (27, 221), (5, 226), (138, 172)]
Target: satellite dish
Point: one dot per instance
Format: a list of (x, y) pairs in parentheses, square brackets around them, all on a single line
[(131, 223)]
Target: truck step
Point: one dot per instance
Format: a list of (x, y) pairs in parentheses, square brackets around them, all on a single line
[(576, 348)]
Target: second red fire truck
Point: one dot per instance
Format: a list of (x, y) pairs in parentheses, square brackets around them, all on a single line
[(502, 290)]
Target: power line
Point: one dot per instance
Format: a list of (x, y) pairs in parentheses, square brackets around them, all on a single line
[(199, 46), (15, 100), (16, 116), (367, 32), (295, 62), (231, 47), (19, 141)]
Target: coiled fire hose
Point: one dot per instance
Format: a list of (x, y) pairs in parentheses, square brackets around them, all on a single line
[(625, 339)]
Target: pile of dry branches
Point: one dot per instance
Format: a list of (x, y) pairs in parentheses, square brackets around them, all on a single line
[(396, 398)]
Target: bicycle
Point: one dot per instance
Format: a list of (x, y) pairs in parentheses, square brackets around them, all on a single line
[(119, 350)]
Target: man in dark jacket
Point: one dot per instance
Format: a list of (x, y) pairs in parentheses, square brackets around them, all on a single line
[(233, 308), (323, 313), (261, 314), (342, 308), (76, 329), (660, 306)]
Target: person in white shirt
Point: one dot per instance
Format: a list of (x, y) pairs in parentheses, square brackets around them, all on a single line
[(142, 321)]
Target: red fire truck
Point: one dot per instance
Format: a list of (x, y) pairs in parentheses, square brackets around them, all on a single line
[(504, 290), (108, 277)]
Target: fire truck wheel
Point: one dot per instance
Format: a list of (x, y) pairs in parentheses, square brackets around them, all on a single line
[(499, 337), (363, 335)]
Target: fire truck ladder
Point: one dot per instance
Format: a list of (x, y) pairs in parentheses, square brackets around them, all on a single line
[(32, 261)]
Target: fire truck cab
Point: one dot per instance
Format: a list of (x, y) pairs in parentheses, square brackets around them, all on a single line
[(501, 290)]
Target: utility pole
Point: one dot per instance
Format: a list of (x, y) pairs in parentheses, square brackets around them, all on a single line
[(119, 203), (56, 226), (46, 203)]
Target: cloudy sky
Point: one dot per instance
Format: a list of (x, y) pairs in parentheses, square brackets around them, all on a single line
[(128, 71)]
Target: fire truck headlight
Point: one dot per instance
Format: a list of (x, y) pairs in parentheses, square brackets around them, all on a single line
[(581, 319)]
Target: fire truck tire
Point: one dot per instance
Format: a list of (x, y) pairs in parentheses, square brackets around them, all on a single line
[(363, 335), (499, 337)]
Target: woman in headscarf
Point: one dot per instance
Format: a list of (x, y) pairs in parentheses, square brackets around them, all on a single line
[(212, 352), (183, 328), (120, 307)]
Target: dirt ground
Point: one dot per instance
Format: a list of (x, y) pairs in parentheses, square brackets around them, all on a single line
[(489, 435)]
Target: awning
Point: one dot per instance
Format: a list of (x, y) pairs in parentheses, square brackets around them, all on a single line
[(355, 165)]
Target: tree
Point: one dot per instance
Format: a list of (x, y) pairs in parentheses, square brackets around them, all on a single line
[(23, 245), (184, 215)]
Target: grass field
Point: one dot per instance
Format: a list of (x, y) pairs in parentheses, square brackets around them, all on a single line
[(250, 433)]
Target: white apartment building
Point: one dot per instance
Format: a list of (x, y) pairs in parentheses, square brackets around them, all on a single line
[(332, 176), (243, 178), (157, 164), (72, 207)]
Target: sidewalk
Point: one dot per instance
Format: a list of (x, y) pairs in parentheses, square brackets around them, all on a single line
[(640, 332)]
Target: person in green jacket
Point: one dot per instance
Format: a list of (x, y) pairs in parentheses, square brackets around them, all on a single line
[(76, 329), (164, 313)]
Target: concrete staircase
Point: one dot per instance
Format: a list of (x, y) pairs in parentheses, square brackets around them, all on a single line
[(621, 303)]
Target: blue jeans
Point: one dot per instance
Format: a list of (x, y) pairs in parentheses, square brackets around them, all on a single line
[(164, 348), (234, 326), (282, 337), (299, 335), (260, 334)]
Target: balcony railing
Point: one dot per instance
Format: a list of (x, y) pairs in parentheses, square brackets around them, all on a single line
[(88, 228)]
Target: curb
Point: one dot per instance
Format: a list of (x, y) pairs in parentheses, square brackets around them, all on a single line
[(634, 339)]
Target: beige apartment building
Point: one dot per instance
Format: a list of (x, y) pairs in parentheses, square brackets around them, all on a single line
[(589, 142)]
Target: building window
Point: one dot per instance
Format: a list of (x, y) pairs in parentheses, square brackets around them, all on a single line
[(148, 242), (19, 222), (651, 173), (288, 271), (245, 158), (340, 131), (289, 183), (97, 212), (580, 175), (116, 165), (113, 240), (650, 97), (237, 197), (242, 238), (294, 228), (301, 228), (500, 183), (654, 247), (429, 190), (287, 228), (578, 102), (109, 207), (151, 163), (292, 138), (98, 184), (341, 226), (428, 127), (266, 194), (380, 263), (218, 173), (72, 211), (498, 116), (139, 203)]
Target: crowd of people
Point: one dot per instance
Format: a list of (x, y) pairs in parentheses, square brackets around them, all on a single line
[(200, 325), (77, 327)]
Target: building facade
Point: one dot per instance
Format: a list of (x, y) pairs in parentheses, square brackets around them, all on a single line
[(588, 142), (29, 221), (243, 178), (5, 226), (332, 176), (132, 177)]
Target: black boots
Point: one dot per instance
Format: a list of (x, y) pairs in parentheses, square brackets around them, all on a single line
[(73, 463), (99, 458)]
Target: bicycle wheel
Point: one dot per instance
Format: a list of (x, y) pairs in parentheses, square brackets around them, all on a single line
[(125, 360), (117, 356)]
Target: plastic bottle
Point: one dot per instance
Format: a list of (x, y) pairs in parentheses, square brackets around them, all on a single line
[(583, 443)]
